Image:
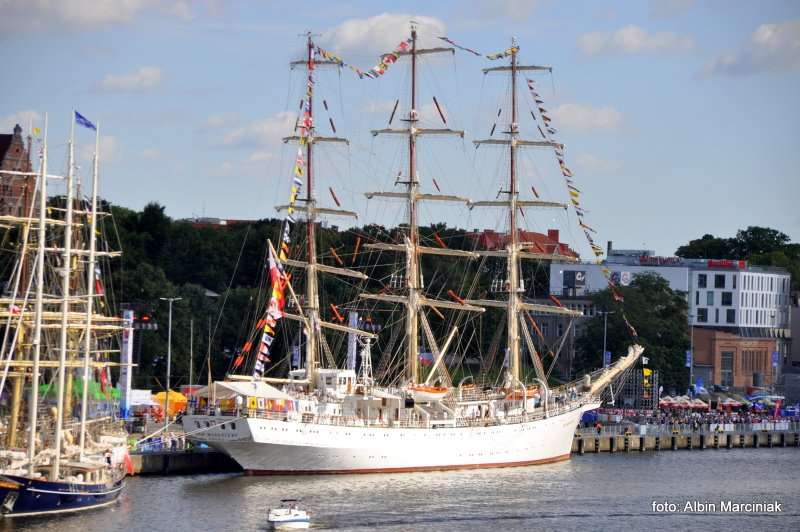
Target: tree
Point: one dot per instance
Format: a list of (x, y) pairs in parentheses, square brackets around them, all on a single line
[(758, 240), (761, 246), (659, 315), (708, 247)]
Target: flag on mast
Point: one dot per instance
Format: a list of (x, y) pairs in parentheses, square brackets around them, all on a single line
[(83, 121)]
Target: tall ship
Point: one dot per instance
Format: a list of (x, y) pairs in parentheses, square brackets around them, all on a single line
[(62, 451), (331, 412)]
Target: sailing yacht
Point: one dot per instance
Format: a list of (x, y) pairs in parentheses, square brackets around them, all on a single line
[(338, 420), (63, 465)]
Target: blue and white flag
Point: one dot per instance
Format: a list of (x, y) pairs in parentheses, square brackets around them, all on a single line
[(83, 121)]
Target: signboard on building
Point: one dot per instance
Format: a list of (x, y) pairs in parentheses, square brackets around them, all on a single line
[(660, 261), (574, 279), (725, 263)]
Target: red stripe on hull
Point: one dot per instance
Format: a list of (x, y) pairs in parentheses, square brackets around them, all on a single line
[(260, 472)]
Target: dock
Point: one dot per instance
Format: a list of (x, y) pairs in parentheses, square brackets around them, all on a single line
[(182, 462), (628, 438)]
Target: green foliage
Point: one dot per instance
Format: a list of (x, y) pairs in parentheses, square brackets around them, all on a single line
[(660, 317), (760, 245)]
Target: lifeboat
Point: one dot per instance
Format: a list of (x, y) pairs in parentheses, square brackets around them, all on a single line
[(516, 395), (422, 393)]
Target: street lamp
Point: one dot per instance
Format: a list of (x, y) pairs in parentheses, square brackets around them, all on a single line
[(691, 348), (605, 314), (169, 357)]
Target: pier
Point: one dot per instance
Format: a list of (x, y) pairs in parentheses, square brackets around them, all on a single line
[(182, 462), (638, 438)]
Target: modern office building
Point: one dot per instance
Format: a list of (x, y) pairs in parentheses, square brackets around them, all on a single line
[(740, 314)]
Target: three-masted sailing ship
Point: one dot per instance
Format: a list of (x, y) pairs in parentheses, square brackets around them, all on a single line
[(339, 420), (64, 457)]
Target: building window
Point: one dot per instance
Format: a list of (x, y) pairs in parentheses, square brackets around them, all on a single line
[(727, 299), (733, 280), (560, 329), (716, 315), (696, 297), (719, 280), (730, 315), (702, 315), (726, 368), (701, 280), (710, 298)]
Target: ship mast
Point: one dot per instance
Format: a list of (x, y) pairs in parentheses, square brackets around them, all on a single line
[(311, 317), (66, 271), (37, 328), (414, 299), (412, 273), (312, 295), (512, 331), (515, 250), (90, 280)]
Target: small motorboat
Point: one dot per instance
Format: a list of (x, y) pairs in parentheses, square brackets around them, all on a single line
[(288, 516)]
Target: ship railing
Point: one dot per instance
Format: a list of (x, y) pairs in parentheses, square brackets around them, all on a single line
[(534, 414)]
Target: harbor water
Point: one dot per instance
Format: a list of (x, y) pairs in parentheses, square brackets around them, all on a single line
[(592, 492)]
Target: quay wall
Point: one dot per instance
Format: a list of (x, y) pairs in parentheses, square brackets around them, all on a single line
[(615, 439), (183, 462)]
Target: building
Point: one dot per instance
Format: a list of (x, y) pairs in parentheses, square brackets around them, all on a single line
[(734, 361), (740, 314), (531, 240), (16, 191)]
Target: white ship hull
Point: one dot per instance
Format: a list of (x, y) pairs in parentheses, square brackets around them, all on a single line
[(266, 446)]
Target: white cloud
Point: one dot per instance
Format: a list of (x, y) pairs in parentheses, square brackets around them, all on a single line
[(265, 132), (151, 153), (771, 47), (586, 162), (224, 169), (633, 40), (146, 78), (585, 118), (34, 15), (109, 149), (180, 9), (23, 118), (380, 34), (260, 156), (220, 120)]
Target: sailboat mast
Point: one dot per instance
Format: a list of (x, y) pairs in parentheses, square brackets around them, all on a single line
[(37, 328), (312, 296), (66, 271), (412, 273), (90, 279), (513, 262)]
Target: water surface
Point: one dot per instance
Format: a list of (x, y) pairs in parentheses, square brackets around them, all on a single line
[(591, 492)]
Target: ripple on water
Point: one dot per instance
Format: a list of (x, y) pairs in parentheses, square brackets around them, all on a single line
[(597, 492)]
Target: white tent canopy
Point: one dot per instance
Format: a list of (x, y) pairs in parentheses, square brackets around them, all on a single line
[(230, 389)]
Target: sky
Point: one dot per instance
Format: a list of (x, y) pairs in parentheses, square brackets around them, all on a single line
[(679, 117)]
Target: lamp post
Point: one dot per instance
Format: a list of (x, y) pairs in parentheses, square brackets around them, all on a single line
[(691, 348), (169, 357), (605, 314)]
